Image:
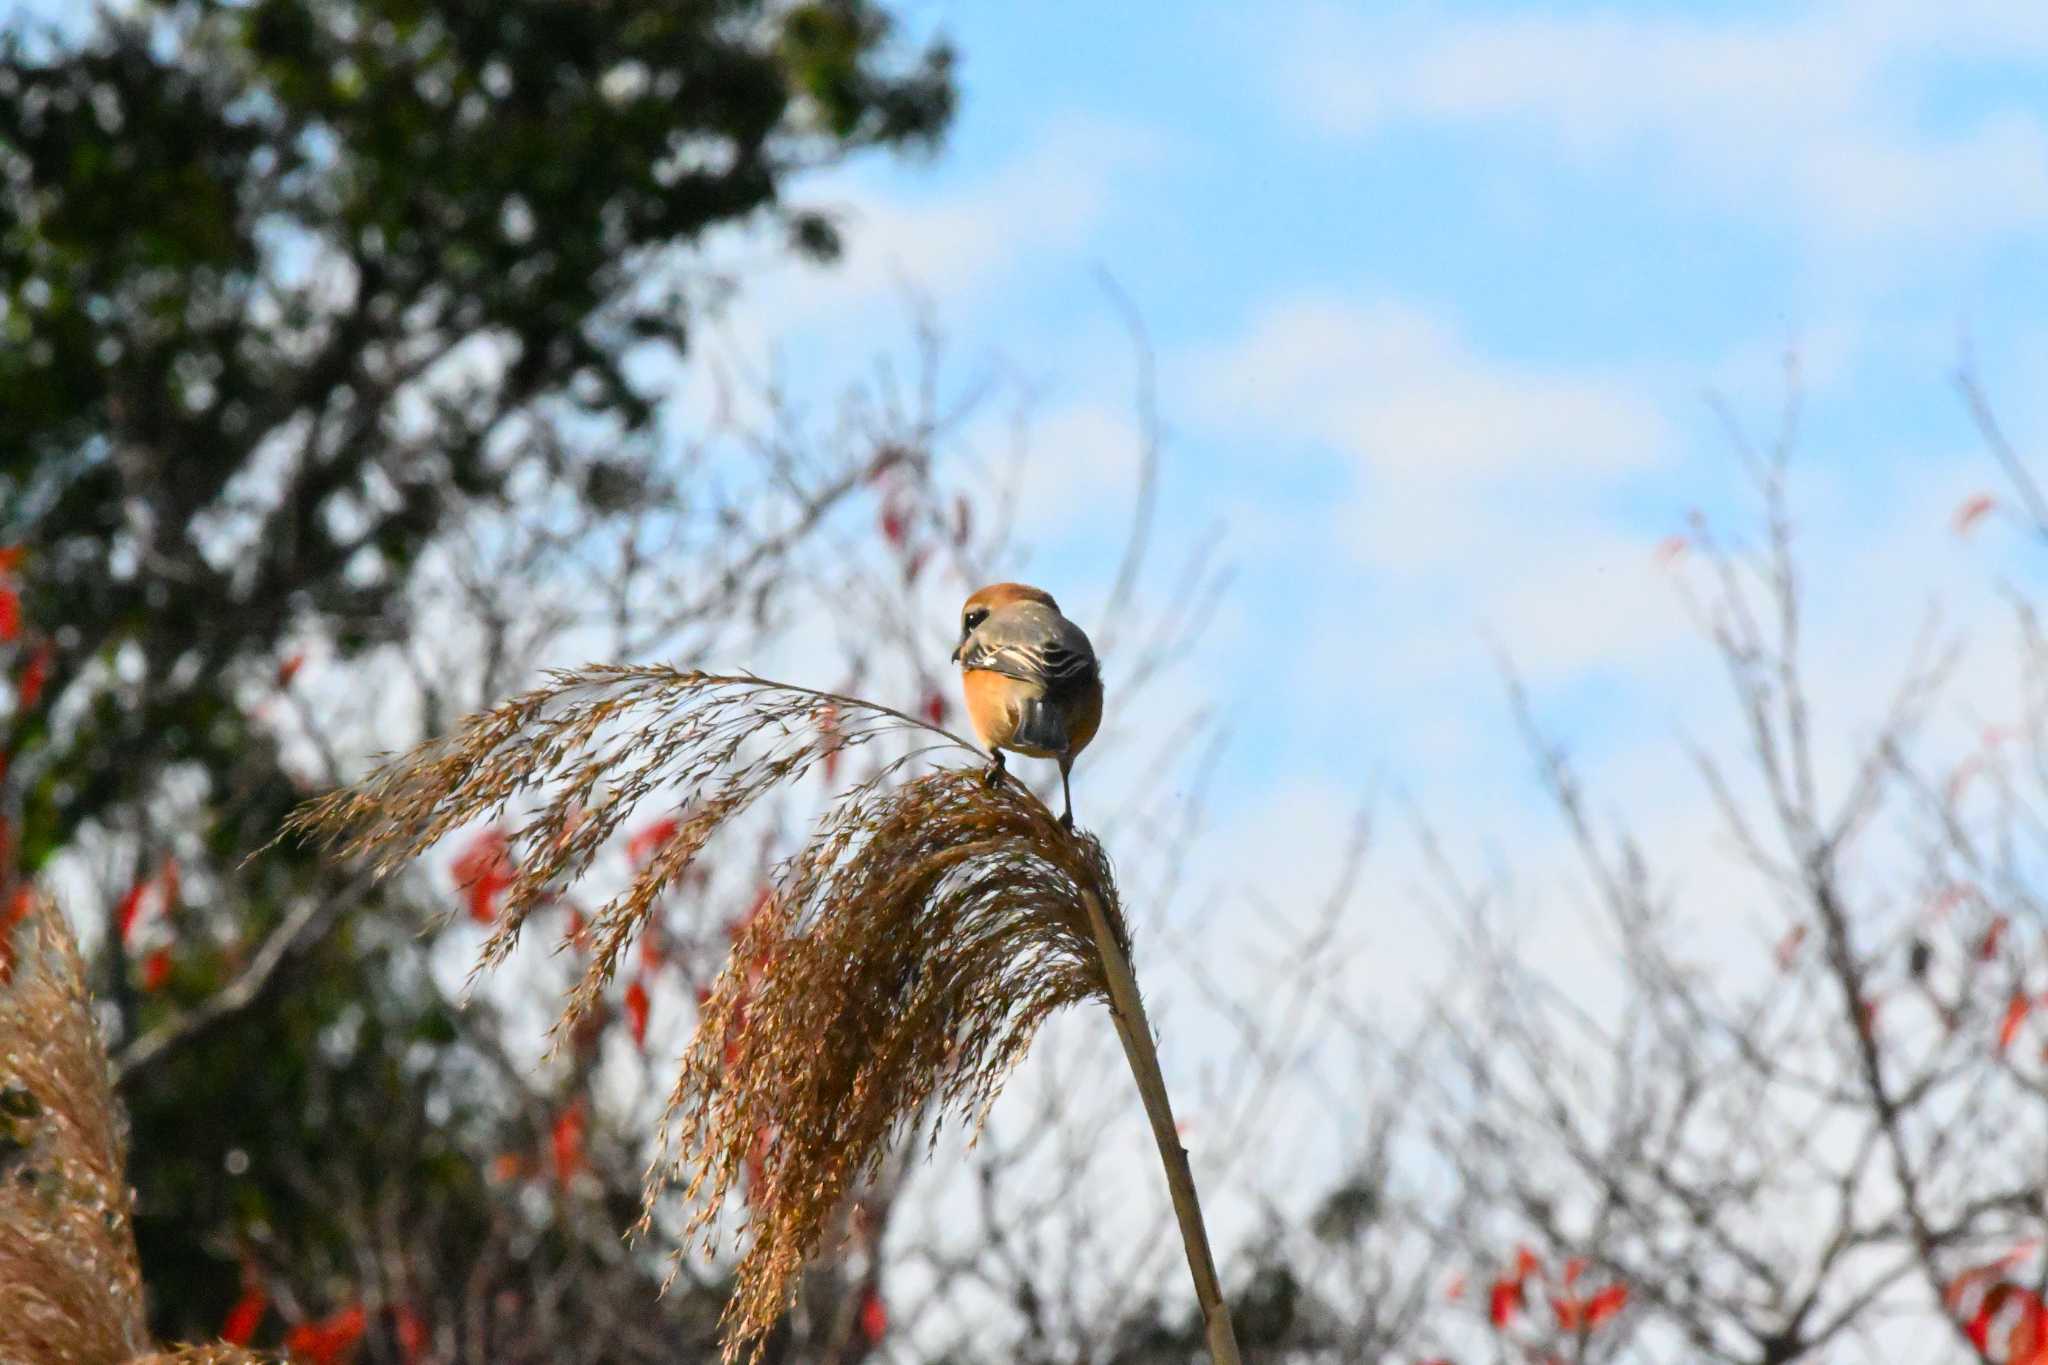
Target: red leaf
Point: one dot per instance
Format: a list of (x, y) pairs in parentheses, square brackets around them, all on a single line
[(288, 668), (245, 1317), (1574, 1268), (34, 676), (1505, 1302), (156, 970), (483, 871), (168, 883), (895, 520), (130, 912), (874, 1317), (1971, 511), (2015, 1015), (1568, 1314), (757, 1165), (1993, 935), (1788, 947), (636, 1011), (1606, 1304), (828, 729), (1455, 1290), (641, 846), (327, 1341), (11, 557), (577, 932), (653, 949), (411, 1330), (17, 910), (567, 1141), (10, 613), (934, 709), (1526, 1264)]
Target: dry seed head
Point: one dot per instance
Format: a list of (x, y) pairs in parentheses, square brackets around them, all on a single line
[(899, 969), (70, 1288)]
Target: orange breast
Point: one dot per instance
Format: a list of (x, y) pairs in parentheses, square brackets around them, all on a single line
[(990, 708)]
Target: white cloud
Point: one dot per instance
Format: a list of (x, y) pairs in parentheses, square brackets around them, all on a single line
[(1414, 401), (1435, 430), (1045, 203), (1811, 118)]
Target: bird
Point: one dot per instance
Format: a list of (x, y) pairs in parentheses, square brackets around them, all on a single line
[(1030, 680)]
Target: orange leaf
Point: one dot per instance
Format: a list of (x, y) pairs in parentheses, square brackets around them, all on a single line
[(483, 871), (288, 668), (1971, 511), (567, 1141), (1993, 935), (411, 1330), (636, 1011), (874, 1317), (828, 728), (1567, 1314), (35, 675), (757, 1165), (17, 910), (11, 557), (2015, 1015), (642, 846), (1606, 1304), (578, 932), (326, 1342), (1504, 1302), (895, 519), (245, 1317), (1526, 1264), (1574, 1268), (130, 912)]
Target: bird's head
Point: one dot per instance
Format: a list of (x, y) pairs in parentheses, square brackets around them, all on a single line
[(991, 599)]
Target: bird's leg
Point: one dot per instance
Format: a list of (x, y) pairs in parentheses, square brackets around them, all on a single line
[(1066, 794), (995, 769)]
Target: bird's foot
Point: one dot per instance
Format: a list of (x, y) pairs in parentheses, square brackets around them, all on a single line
[(1067, 821), (994, 773)]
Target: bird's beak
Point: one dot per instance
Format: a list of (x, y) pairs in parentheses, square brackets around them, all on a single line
[(957, 648)]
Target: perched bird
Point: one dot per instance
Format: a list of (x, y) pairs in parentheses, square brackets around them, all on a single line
[(1030, 679)]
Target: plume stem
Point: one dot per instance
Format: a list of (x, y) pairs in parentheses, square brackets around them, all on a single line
[(1127, 1008)]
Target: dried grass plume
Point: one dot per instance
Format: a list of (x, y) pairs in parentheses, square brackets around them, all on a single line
[(897, 971), (70, 1288)]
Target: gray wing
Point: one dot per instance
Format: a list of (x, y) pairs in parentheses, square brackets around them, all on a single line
[(1032, 643)]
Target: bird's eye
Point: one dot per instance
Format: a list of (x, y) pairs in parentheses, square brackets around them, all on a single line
[(975, 617)]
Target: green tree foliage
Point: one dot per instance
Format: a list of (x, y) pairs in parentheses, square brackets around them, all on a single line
[(289, 289)]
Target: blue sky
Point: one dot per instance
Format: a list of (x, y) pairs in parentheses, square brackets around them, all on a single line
[(1437, 294)]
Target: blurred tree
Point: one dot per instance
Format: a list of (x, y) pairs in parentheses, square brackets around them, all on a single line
[(292, 291)]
